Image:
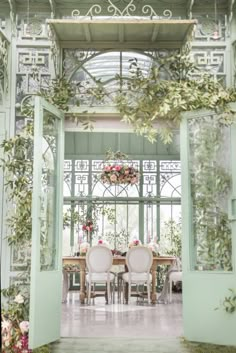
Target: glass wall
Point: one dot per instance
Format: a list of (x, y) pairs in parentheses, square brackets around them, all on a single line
[(119, 213)]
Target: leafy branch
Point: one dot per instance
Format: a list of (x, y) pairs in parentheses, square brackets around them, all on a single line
[(229, 302), (150, 99)]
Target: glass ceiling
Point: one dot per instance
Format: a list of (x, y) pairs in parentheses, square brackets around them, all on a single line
[(93, 68)]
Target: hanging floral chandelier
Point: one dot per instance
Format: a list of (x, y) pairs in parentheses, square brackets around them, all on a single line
[(118, 172)]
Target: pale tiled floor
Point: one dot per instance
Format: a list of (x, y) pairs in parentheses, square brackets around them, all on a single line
[(121, 320)]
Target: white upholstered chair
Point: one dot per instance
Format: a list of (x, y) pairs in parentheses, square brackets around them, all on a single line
[(99, 261), (139, 262)]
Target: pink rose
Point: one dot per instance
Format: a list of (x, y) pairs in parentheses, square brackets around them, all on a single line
[(100, 241), (118, 168), (108, 168)]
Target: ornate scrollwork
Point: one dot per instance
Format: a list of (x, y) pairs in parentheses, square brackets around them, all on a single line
[(149, 11), (93, 11), (126, 12)]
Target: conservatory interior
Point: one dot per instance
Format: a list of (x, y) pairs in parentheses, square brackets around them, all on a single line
[(117, 181)]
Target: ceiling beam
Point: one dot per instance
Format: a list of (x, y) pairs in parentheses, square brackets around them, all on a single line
[(100, 45), (53, 8), (87, 32), (155, 32), (190, 9), (121, 33)]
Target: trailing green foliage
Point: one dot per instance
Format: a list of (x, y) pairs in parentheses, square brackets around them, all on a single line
[(60, 93), (150, 99), (17, 164)]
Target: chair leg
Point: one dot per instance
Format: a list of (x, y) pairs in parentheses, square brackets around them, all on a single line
[(129, 292), (170, 294), (148, 292), (118, 289), (89, 292), (113, 291), (108, 291)]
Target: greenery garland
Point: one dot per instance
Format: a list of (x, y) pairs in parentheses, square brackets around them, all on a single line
[(150, 99)]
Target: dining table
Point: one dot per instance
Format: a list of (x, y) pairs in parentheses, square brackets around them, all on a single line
[(118, 260)]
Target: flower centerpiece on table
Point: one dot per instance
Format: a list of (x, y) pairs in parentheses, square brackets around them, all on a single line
[(154, 247), (88, 228), (103, 243), (135, 242), (83, 249)]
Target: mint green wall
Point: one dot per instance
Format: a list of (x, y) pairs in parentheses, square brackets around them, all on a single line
[(95, 145)]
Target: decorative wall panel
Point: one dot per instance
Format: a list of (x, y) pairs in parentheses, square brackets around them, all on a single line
[(32, 27), (33, 71)]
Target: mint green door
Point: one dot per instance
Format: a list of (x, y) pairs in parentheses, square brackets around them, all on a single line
[(46, 268), (208, 153)]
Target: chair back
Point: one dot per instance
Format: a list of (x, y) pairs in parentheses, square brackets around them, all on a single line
[(99, 259), (139, 259)]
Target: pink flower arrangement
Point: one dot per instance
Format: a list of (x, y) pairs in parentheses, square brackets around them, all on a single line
[(134, 242), (103, 242), (15, 336), (119, 174), (84, 247), (88, 226), (154, 247)]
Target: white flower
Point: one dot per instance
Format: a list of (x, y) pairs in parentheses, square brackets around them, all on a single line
[(7, 343), (24, 326), (18, 344), (6, 325), (84, 247), (19, 299), (154, 247)]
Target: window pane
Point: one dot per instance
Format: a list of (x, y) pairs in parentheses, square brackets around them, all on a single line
[(48, 236), (210, 168)]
